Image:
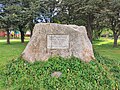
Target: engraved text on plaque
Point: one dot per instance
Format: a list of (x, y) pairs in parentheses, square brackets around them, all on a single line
[(57, 41)]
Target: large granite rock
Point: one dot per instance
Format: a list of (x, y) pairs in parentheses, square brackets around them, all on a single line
[(50, 39)]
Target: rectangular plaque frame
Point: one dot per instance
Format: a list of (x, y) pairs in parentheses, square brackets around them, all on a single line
[(57, 41)]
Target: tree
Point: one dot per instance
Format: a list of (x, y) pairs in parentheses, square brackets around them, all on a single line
[(29, 11), (7, 16), (50, 10), (20, 13), (112, 13), (80, 12)]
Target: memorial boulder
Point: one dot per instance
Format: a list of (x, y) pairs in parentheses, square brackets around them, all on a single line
[(50, 39)]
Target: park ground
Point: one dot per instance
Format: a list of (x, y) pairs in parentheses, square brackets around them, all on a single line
[(102, 74), (103, 46)]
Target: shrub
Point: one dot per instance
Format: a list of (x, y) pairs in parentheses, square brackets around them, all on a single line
[(76, 75)]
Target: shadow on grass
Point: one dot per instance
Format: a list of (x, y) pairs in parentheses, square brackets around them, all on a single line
[(14, 42), (97, 41), (105, 43)]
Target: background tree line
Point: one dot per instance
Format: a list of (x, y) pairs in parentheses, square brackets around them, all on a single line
[(94, 14)]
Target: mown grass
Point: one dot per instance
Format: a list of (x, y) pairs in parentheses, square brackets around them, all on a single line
[(12, 51), (8, 52), (105, 47), (101, 74)]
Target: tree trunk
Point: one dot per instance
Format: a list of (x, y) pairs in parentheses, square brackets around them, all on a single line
[(8, 36), (115, 32), (31, 33), (99, 33), (31, 26), (89, 28), (115, 39), (22, 34)]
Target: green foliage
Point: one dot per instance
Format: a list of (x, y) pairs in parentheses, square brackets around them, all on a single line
[(113, 65), (96, 75), (103, 46), (107, 33), (19, 12)]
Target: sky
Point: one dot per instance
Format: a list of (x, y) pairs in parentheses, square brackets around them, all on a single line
[(1, 5)]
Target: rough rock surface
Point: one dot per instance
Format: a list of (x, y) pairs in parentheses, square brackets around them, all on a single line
[(68, 40)]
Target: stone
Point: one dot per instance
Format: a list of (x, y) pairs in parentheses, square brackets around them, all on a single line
[(51, 39), (56, 74)]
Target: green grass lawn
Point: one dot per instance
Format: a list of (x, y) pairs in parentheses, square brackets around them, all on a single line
[(12, 51), (105, 48), (101, 74)]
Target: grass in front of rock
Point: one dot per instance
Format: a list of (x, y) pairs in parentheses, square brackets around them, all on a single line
[(11, 51), (100, 74)]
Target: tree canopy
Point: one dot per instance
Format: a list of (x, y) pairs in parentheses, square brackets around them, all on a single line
[(94, 14)]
